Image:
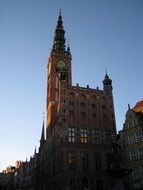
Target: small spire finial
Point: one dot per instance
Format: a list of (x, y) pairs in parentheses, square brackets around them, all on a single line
[(105, 70), (60, 12), (106, 73), (129, 106), (68, 42), (43, 115)]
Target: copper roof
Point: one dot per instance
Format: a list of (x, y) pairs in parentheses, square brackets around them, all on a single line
[(138, 104)]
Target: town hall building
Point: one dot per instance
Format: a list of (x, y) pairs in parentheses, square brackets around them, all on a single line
[(80, 125)]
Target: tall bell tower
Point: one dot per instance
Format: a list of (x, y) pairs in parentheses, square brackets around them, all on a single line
[(59, 73)]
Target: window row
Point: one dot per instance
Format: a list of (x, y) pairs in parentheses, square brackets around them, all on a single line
[(85, 183), (83, 115), (83, 104), (84, 161), (136, 154), (135, 137), (133, 123), (84, 135), (137, 172)]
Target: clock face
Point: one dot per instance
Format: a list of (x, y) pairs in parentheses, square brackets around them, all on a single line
[(61, 64)]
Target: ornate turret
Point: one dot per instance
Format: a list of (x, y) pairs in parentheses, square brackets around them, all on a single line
[(107, 82), (59, 39)]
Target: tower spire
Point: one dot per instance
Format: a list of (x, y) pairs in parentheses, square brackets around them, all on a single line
[(43, 132), (59, 39)]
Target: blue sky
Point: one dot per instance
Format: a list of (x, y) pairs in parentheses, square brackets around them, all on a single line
[(103, 34)]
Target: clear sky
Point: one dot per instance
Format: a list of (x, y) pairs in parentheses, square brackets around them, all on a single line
[(104, 34)]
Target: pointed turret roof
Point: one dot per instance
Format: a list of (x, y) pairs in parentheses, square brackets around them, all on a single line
[(60, 22), (43, 133), (59, 38)]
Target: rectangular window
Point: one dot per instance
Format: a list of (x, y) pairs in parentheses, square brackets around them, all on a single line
[(93, 106), (129, 125), (130, 156), (133, 123), (107, 136), (71, 161), (112, 116), (82, 115), (136, 173), (71, 134), (131, 139), (71, 113), (103, 107), (82, 104), (93, 115), (140, 121), (140, 153), (71, 103), (83, 134), (138, 136), (95, 135), (84, 161), (133, 154)]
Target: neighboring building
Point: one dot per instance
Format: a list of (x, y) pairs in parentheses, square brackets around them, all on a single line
[(133, 139), (7, 178), (24, 177), (3, 180), (138, 107), (80, 125)]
